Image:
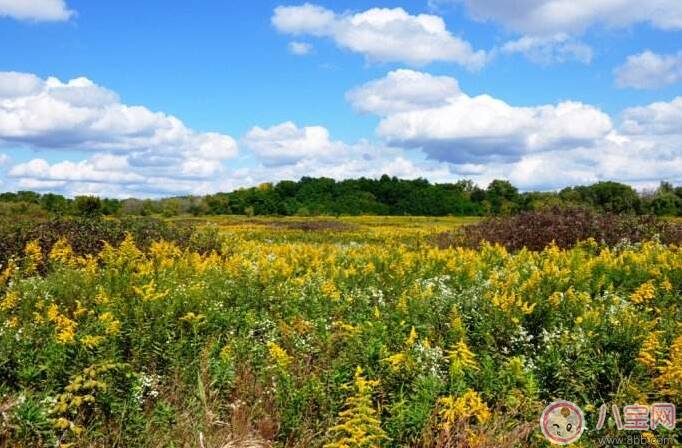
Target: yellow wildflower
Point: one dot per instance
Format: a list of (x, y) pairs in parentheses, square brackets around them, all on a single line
[(330, 290), (148, 292), (359, 423), (670, 379), (455, 410), (10, 301), (33, 257), (412, 338), (644, 293), (647, 353), (91, 341), (193, 319), (279, 355), (63, 253), (112, 327), (65, 327), (462, 357)]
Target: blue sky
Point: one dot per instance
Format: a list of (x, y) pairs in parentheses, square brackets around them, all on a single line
[(160, 98)]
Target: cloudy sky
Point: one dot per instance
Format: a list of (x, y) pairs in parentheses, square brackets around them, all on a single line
[(159, 98)]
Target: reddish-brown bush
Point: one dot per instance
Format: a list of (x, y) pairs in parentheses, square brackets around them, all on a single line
[(565, 227)]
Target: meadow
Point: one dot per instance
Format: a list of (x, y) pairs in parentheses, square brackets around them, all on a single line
[(330, 332)]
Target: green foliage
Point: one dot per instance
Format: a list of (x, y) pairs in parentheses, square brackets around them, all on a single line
[(363, 196), (88, 206)]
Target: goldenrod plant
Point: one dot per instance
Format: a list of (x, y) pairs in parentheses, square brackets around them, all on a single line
[(368, 335)]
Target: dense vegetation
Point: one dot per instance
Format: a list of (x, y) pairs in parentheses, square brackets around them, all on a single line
[(564, 227), (87, 236), (384, 196), (299, 333)]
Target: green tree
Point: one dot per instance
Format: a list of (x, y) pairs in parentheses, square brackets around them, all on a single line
[(503, 196), (88, 206), (666, 204), (55, 204), (613, 197)]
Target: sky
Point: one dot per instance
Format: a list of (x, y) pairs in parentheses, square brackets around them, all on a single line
[(163, 98)]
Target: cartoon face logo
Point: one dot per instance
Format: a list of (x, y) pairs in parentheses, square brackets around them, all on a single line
[(562, 422)]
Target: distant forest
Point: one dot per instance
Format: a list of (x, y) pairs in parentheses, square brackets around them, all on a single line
[(383, 196)]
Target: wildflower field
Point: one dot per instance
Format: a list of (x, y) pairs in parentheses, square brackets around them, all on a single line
[(353, 332)]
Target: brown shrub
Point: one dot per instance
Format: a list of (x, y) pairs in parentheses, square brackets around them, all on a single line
[(565, 227)]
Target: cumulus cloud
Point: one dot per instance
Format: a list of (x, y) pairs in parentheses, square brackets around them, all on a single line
[(545, 146), (402, 91), (286, 143), (659, 118), (79, 114), (36, 10), (548, 17), (649, 70), (128, 143), (459, 128), (545, 50), (300, 48), (381, 34)]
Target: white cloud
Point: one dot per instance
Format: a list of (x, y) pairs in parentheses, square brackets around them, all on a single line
[(79, 114), (381, 34), (648, 70), (538, 147), (286, 144), (84, 171), (36, 10), (402, 91), (545, 50), (548, 17), (461, 129), (130, 145), (4, 159), (660, 118), (300, 48)]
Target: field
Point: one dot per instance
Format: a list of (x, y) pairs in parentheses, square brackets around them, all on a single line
[(349, 332)]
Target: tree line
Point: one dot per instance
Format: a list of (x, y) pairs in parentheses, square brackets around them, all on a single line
[(384, 196)]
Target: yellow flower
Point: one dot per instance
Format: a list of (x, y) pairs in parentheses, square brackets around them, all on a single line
[(148, 292), (193, 319), (65, 327), (33, 257), (80, 310), (61, 423), (670, 379), (396, 360), (102, 298), (463, 358), (91, 341), (63, 253), (644, 293), (8, 272), (9, 301), (330, 290), (455, 410), (112, 327), (647, 353), (359, 423), (412, 338), (279, 355)]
